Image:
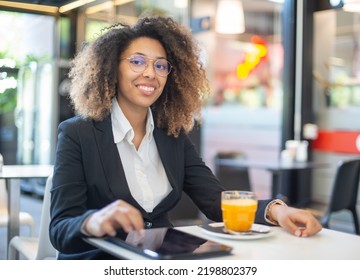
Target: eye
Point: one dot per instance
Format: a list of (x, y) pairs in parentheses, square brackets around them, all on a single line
[(162, 65), (137, 60)]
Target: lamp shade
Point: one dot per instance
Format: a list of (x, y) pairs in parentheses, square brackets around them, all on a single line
[(230, 17)]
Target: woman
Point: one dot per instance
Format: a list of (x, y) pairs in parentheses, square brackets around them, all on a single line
[(124, 161)]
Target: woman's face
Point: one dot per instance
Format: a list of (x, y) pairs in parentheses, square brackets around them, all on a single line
[(139, 88)]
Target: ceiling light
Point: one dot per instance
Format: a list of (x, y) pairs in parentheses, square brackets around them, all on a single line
[(230, 17), (122, 2), (181, 4), (30, 7), (74, 5), (335, 3)]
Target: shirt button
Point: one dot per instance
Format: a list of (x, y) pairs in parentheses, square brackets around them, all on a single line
[(148, 224)]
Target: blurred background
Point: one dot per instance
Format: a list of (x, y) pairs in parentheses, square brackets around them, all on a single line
[(276, 68)]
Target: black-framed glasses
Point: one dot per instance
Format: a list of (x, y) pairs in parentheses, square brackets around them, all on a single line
[(138, 63)]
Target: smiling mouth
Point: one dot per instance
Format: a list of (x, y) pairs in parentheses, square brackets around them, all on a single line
[(147, 90)]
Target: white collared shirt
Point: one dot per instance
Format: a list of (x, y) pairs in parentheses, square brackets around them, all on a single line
[(144, 171)]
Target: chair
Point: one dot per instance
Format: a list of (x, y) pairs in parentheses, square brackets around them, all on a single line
[(185, 213), (232, 177), (344, 193), (36, 248), (24, 217)]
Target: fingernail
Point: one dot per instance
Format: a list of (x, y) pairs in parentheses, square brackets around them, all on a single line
[(127, 229), (298, 233)]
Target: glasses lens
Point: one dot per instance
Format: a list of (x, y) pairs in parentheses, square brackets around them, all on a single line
[(138, 63), (162, 67)]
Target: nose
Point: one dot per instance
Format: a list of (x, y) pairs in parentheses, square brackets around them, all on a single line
[(149, 70)]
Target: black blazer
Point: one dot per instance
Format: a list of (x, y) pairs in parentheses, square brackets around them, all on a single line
[(88, 175)]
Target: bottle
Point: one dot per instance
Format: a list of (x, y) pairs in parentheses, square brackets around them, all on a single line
[(292, 146), (302, 151), (286, 157)]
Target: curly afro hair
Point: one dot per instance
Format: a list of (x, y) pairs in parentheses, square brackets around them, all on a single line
[(94, 73)]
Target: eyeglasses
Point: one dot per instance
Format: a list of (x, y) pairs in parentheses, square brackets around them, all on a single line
[(138, 63)]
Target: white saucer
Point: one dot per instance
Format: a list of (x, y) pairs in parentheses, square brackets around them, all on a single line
[(217, 229)]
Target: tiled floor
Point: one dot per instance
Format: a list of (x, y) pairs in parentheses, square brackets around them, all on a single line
[(33, 206)]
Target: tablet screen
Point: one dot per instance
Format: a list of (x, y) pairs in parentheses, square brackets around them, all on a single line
[(169, 243)]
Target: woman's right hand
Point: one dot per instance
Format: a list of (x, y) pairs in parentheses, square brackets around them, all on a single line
[(118, 214)]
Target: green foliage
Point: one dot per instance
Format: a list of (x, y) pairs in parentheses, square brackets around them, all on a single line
[(8, 96), (8, 100)]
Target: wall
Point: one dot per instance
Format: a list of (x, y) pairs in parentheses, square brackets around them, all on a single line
[(334, 39)]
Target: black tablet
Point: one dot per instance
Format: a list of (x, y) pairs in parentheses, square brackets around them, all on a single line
[(167, 244)]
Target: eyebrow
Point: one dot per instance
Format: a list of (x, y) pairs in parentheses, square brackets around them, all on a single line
[(139, 53)]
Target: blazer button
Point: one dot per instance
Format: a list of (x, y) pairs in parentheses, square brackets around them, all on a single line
[(148, 224)]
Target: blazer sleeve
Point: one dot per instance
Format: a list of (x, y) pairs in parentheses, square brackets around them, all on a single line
[(69, 192)]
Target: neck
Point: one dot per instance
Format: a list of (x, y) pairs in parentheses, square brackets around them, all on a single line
[(137, 119)]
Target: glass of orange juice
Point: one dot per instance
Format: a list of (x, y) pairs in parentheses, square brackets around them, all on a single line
[(238, 209)]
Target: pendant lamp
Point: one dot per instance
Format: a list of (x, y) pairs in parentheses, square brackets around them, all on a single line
[(230, 17)]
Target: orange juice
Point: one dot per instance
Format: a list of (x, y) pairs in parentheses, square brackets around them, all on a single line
[(238, 214)]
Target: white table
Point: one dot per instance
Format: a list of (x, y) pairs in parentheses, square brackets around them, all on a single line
[(281, 245), (12, 175)]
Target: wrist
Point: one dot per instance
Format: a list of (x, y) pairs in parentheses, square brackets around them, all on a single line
[(270, 215), (84, 227)]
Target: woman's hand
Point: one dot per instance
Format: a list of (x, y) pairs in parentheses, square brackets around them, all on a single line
[(297, 221), (118, 214)]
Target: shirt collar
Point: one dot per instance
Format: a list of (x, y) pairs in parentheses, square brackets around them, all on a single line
[(121, 126)]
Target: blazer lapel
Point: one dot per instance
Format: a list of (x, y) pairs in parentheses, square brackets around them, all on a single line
[(114, 172), (169, 152), (111, 162)]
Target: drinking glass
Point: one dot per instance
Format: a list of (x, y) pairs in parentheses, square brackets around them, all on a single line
[(238, 209)]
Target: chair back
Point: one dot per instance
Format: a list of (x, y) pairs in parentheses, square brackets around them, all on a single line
[(233, 178), (346, 185), (45, 249)]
